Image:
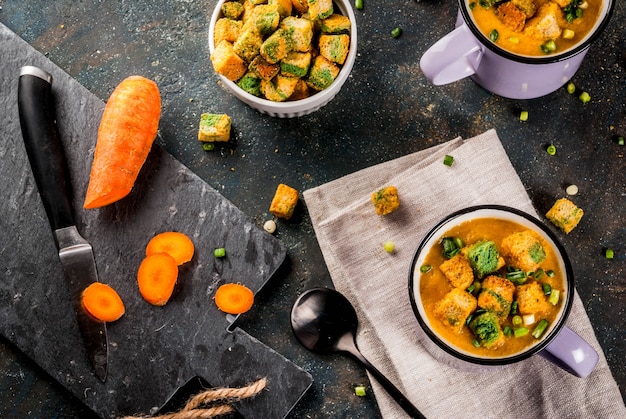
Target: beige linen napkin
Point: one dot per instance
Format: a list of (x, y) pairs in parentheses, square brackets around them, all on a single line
[(351, 237)]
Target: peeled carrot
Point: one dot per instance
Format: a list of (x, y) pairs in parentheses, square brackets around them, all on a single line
[(176, 244), (127, 130), (234, 298), (156, 278), (102, 302)]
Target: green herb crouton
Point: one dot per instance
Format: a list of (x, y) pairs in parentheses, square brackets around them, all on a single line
[(279, 89), (455, 308), (565, 215), (264, 19), (295, 64), (232, 9), (284, 7), (276, 46), (263, 69), (483, 257), (226, 29), (226, 61), (458, 271), (322, 74), (301, 31), (524, 250), (335, 24), (214, 127), (248, 44), (496, 295), (486, 328), (320, 9), (335, 47), (251, 83), (386, 200)]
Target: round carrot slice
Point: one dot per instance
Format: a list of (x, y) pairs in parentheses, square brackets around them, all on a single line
[(156, 278), (176, 244), (234, 298), (102, 302)]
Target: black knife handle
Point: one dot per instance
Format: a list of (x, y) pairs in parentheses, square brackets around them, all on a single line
[(43, 145)]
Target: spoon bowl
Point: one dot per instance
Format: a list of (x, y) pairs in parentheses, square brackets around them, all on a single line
[(324, 322)]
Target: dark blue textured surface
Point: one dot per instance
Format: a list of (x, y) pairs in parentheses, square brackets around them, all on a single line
[(385, 110)]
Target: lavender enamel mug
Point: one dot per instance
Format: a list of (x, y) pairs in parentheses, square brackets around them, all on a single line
[(466, 51)]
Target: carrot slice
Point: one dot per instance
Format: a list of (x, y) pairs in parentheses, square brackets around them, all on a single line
[(234, 298), (156, 278), (176, 244), (102, 302), (127, 130)]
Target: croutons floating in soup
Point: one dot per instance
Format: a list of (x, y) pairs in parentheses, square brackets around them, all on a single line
[(535, 27), (491, 287)]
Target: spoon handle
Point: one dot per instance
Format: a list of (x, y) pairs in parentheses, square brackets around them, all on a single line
[(393, 391)]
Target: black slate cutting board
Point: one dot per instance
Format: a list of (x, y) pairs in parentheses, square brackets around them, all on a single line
[(152, 350)]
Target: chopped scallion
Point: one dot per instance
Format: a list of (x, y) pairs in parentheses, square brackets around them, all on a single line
[(507, 331), (450, 249), (494, 35), (520, 331), (389, 246), (358, 4), (208, 146), (551, 149), (539, 273), (571, 88), (609, 253), (514, 306), (517, 320), (517, 277), (220, 252), (476, 343), (540, 328), (584, 97), (554, 297), (359, 391), (620, 140), (396, 32), (523, 116), (425, 268), (448, 160), (550, 273), (548, 47), (547, 288)]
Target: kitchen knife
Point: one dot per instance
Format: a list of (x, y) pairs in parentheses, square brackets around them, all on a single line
[(47, 160)]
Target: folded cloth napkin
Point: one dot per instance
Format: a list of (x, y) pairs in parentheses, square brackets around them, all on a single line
[(350, 235)]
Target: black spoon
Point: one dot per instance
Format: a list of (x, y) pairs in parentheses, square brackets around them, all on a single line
[(325, 322)]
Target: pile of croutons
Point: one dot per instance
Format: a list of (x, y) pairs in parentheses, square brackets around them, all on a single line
[(280, 49)]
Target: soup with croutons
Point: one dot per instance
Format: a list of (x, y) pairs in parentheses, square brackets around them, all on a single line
[(491, 287), (535, 27)]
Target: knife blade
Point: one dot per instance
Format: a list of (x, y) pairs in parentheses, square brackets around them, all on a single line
[(47, 160)]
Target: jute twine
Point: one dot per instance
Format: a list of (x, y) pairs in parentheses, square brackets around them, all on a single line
[(212, 402)]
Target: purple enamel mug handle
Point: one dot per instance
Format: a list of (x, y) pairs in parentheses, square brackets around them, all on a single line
[(571, 352), (455, 56)]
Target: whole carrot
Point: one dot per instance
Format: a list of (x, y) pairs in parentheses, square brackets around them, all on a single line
[(127, 130)]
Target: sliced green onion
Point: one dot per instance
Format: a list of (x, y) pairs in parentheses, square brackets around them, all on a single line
[(523, 116), (554, 297), (507, 331), (471, 288), (450, 249), (584, 97), (551, 149), (208, 146), (539, 273), (609, 253), (389, 246), (548, 47), (494, 35), (459, 242), (571, 88), (516, 277), (547, 288), (528, 319), (514, 305), (220, 252), (396, 32), (476, 343), (520, 331), (448, 160), (425, 268), (540, 328), (550, 273), (358, 4), (359, 391), (620, 140), (517, 320)]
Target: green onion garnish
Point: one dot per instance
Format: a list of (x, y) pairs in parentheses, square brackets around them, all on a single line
[(520, 331), (220, 252), (540, 328), (547, 288), (396, 32), (448, 160), (551, 149), (425, 268)]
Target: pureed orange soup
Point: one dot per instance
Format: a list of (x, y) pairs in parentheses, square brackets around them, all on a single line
[(463, 306), (535, 27)]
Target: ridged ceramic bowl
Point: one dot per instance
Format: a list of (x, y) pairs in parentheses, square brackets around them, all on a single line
[(296, 108)]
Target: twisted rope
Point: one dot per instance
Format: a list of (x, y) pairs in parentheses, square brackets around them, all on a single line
[(196, 407)]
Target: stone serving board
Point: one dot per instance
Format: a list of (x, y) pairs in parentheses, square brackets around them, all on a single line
[(152, 350)]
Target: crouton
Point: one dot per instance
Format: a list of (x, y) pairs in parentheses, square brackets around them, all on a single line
[(322, 74), (565, 215), (264, 19), (284, 201), (335, 47), (295, 64), (335, 24), (283, 6), (483, 257), (264, 69), (531, 299), (458, 271), (562, 3), (226, 29), (496, 295), (454, 308), (226, 61), (248, 44), (301, 91), (301, 32), (232, 9), (544, 25), (301, 6), (511, 16), (524, 250), (251, 83), (527, 6), (320, 9), (276, 46), (486, 328), (279, 89), (386, 200), (214, 127)]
